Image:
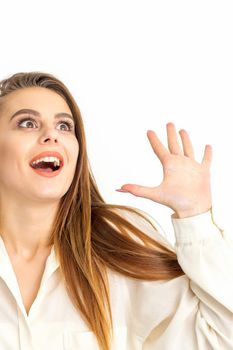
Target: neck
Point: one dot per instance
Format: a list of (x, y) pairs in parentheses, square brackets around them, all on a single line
[(26, 230)]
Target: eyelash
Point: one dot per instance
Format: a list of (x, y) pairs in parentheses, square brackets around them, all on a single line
[(71, 127)]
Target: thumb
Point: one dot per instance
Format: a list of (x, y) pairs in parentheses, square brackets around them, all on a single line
[(140, 191)]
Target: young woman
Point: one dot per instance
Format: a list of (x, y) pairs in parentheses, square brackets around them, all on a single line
[(79, 273)]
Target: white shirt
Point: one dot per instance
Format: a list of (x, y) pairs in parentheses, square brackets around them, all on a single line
[(193, 311)]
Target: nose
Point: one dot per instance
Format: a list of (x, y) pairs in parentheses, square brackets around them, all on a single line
[(50, 140), (49, 136)]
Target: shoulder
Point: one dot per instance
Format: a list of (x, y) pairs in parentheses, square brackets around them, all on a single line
[(146, 223), (142, 304)]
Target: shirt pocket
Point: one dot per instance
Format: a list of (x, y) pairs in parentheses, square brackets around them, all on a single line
[(9, 336), (73, 340), (123, 339)]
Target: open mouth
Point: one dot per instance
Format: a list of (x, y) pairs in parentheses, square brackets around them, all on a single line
[(47, 166)]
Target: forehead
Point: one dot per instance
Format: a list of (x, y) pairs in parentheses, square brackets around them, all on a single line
[(38, 98)]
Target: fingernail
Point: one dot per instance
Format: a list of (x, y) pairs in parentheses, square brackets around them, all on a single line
[(120, 190)]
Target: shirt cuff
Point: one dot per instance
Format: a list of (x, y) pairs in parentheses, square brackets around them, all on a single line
[(195, 228)]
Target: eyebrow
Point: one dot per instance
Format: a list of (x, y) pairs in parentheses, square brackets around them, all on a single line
[(37, 114)]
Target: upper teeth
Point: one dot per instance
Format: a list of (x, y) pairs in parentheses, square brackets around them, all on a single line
[(55, 160)]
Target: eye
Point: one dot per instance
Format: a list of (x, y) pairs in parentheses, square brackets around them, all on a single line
[(70, 125), (31, 120), (19, 122)]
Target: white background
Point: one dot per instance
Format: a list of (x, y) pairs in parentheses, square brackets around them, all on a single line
[(134, 66)]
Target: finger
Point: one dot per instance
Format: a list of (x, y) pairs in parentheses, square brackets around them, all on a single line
[(207, 158), (159, 149), (172, 140), (187, 145), (140, 191)]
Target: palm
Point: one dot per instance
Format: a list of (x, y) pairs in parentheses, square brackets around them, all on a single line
[(186, 183)]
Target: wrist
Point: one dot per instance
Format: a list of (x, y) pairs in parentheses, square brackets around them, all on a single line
[(186, 214)]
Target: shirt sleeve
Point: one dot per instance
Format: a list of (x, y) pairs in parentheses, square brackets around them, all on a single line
[(205, 254)]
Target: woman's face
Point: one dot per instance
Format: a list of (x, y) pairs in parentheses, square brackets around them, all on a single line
[(21, 141)]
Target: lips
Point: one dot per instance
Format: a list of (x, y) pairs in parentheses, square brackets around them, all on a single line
[(48, 154)]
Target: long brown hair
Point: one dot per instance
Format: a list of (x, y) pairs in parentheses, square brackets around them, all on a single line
[(91, 236)]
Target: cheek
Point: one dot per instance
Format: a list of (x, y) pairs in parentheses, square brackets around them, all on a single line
[(74, 151), (12, 151), (6, 149), (8, 155)]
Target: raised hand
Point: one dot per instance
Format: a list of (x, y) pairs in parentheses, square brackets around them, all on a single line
[(186, 183)]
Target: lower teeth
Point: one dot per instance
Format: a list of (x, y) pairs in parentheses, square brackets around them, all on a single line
[(47, 170)]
